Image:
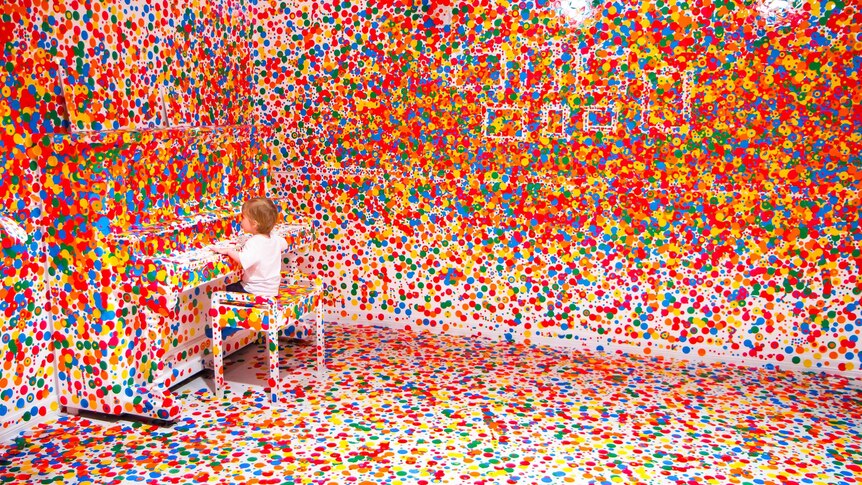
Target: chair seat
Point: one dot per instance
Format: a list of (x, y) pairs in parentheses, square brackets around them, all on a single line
[(269, 315), (245, 311), (299, 299)]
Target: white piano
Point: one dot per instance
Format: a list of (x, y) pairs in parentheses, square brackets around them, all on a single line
[(130, 300)]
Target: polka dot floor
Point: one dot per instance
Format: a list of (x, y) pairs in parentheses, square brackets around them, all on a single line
[(399, 407)]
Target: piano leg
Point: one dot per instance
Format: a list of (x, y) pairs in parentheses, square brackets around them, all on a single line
[(218, 358), (272, 349), (320, 343)]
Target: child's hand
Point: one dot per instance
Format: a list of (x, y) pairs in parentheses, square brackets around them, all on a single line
[(226, 251)]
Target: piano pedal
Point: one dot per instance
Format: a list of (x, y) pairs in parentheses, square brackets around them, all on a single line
[(162, 423)]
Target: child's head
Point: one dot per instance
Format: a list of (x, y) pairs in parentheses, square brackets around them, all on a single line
[(262, 214)]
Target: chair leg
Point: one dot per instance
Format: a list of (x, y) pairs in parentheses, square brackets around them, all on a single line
[(272, 348), (218, 358), (320, 343)]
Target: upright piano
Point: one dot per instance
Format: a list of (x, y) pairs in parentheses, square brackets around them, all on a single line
[(137, 214)]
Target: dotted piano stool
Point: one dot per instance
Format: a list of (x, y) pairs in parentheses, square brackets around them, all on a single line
[(296, 298)]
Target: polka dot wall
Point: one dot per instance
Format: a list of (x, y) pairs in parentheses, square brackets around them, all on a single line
[(664, 177), (669, 177)]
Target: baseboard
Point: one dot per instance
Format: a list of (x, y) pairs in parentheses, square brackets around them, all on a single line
[(358, 317), (854, 377), (8, 435)]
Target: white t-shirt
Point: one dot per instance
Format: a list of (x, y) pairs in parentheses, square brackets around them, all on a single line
[(260, 258)]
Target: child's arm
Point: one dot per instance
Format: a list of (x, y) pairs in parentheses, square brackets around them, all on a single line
[(229, 252)]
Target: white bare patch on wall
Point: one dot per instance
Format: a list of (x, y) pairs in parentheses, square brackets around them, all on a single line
[(443, 15), (576, 11), (775, 11)]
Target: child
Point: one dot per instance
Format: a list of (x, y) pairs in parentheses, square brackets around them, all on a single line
[(260, 256)]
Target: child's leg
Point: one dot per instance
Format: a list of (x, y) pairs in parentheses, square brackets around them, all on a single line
[(235, 287), (226, 332)]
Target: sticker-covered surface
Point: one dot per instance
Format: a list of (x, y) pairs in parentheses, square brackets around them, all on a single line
[(406, 408), (669, 177), (664, 176), (27, 372), (119, 119)]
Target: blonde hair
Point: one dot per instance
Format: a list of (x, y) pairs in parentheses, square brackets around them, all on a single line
[(263, 212)]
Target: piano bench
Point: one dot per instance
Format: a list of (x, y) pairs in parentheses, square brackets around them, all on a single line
[(268, 315)]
